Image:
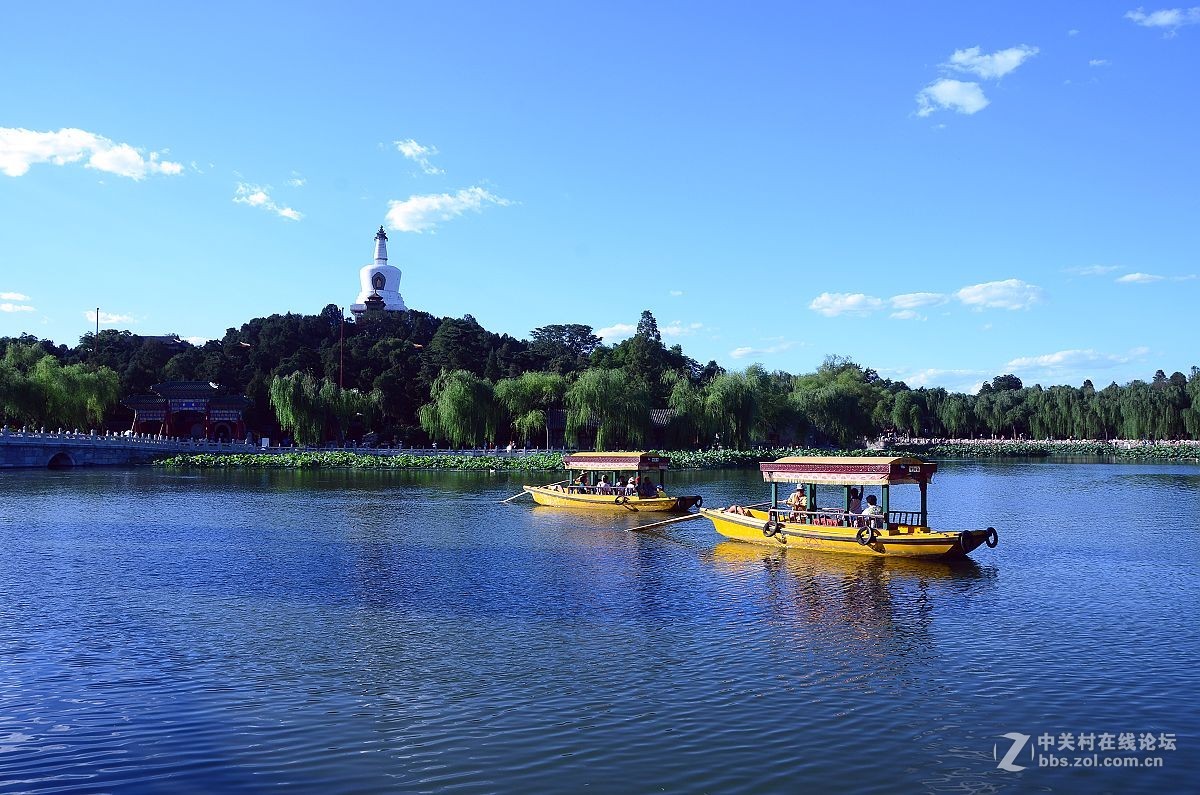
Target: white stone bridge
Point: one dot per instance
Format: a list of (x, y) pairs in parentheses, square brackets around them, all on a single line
[(54, 449)]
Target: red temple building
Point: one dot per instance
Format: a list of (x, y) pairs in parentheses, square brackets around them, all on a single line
[(190, 409)]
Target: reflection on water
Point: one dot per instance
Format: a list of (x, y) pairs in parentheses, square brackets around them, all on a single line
[(356, 631), (873, 608)]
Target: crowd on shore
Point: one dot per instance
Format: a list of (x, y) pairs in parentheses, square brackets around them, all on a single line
[(892, 442)]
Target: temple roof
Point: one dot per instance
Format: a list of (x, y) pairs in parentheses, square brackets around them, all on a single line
[(186, 389)]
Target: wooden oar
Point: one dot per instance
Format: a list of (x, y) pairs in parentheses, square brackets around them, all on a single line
[(687, 518), (523, 492)]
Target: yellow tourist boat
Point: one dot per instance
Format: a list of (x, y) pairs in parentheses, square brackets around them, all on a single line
[(874, 531), (596, 486)]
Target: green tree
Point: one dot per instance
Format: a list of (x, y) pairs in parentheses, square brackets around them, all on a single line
[(562, 349), (613, 403), (36, 388), (313, 410), (957, 415), (296, 399), (839, 400), (733, 405), (689, 423), (528, 399), (462, 409)]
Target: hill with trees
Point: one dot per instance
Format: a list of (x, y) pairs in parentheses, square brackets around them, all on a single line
[(414, 378)]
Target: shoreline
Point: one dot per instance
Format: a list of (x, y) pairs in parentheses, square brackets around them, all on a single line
[(697, 459)]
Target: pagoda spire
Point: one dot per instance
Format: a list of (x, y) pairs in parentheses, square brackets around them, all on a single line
[(381, 247)]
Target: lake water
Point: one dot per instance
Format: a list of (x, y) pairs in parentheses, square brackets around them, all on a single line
[(355, 631)]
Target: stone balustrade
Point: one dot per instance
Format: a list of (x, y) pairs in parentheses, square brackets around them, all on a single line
[(28, 447)]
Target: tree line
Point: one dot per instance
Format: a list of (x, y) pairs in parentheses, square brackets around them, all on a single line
[(414, 378)]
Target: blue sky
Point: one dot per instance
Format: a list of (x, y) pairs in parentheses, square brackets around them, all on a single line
[(943, 191)]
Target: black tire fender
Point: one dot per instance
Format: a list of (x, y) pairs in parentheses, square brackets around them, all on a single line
[(865, 535), (620, 499), (992, 538)]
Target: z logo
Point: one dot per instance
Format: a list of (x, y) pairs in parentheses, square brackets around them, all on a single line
[(1018, 743)]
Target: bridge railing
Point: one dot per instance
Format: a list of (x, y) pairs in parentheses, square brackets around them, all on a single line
[(141, 441), (144, 441)]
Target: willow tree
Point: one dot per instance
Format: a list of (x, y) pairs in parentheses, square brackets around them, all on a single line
[(36, 388), (957, 415), (527, 400), (689, 422), (616, 404), (346, 406), (462, 409), (1191, 415), (732, 403), (310, 409), (297, 401), (839, 400)]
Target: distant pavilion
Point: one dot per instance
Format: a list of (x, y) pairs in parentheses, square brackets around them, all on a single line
[(191, 409)]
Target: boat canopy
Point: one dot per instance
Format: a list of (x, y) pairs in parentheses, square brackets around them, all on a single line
[(615, 461), (848, 470)]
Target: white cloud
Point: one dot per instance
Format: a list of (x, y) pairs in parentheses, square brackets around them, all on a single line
[(955, 380), (1139, 278), (108, 318), (1170, 18), (1098, 62), (197, 341), (1093, 270), (675, 293), (419, 154), (968, 97), (7, 307), (1072, 360), (13, 297), (1072, 32), (678, 329), (917, 300), (907, 314), (617, 331), (834, 304), (1150, 278), (1007, 294), (297, 181), (743, 352), (259, 196), (946, 94), (21, 148), (990, 67), (419, 213)]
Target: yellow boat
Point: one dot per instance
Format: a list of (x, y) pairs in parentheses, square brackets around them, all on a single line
[(615, 499), (891, 533)]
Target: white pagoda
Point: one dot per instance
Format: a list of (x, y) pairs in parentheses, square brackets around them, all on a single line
[(379, 281)]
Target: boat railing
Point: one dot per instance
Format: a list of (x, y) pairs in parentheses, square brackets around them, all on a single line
[(613, 491), (826, 518), (831, 517), (910, 518)]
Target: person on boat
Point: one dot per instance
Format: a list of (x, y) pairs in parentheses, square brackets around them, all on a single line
[(797, 501), (631, 486), (873, 510), (647, 489), (581, 482), (602, 486), (855, 501)]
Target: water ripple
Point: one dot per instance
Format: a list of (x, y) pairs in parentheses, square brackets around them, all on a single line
[(350, 632)]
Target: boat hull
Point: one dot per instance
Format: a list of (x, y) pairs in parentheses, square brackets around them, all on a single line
[(902, 541), (611, 503)]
